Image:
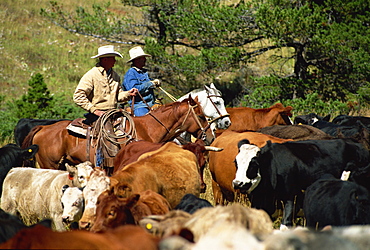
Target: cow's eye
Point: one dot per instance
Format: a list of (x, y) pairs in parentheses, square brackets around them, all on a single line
[(75, 204)]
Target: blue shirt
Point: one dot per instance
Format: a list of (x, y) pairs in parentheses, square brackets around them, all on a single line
[(139, 78)]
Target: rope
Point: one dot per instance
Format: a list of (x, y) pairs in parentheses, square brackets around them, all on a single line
[(168, 94), (128, 132)]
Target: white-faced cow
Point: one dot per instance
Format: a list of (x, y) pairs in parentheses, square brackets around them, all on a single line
[(73, 204), (288, 168)]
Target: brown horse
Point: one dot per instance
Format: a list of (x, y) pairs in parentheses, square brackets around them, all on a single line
[(57, 145)]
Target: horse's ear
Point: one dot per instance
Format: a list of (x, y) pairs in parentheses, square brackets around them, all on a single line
[(192, 101), (212, 86)]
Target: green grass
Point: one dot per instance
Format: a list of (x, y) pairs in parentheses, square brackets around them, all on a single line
[(30, 44)]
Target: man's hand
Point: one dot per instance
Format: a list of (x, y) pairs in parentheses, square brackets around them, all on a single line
[(157, 83), (99, 112), (133, 91)]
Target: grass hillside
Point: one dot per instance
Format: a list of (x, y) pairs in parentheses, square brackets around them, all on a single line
[(30, 44)]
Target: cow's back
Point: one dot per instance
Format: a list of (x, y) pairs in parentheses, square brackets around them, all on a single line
[(170, 171), (33, 193)]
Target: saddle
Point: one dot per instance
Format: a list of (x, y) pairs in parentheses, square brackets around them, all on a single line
[(79, 127), (102, 135)]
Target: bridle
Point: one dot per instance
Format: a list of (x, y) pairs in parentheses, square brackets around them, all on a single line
[(191, 111), (218, 111)]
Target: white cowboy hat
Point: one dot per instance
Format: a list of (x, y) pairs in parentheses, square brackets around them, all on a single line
[(106, 51), (136, 52)]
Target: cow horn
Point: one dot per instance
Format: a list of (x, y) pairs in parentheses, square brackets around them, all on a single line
[(211, 148)]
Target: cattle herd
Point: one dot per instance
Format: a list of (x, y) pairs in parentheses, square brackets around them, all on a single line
[(312, 169)]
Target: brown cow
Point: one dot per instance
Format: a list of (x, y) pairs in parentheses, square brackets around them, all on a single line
[(296, 132), (244, 118), (221, 164), (170, 171), (112, 211), (127, 237), (132, 151)]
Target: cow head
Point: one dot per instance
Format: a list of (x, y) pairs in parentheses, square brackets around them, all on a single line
[(242, 160), (112, 211), (98, 183), (72, 203), (310, 119), (80, 174)]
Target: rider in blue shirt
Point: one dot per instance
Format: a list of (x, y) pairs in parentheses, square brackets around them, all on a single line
[(137, 77)]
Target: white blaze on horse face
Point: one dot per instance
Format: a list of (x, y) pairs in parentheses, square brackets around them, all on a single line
[(211, 109), (243, 158), (214, 107), (73, 204)]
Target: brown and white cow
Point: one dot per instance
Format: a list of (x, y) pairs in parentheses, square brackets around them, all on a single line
[(170, 171), (73, 204), (222, 166), (245, 118), (112, 211)]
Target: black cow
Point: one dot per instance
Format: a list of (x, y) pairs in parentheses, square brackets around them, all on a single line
[(25, 125), (331, 201), (348, 120), (12, 155), (11, 224), (357, 130), (191, 203), (284, 170)]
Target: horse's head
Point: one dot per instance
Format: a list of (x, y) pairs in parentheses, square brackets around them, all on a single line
[(213, 107), (195, 121)]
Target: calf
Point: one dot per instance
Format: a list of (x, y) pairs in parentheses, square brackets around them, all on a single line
[(98, 183), (331, 201), (12, 156), (112, 211), (35, 194), (73, 204)]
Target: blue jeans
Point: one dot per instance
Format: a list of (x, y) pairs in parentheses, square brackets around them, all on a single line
[(141, 111)]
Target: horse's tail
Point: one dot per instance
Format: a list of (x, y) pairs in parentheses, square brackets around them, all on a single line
[(29, 138)]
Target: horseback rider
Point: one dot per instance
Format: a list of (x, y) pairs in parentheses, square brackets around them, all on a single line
[(137, 77), (99, 90)]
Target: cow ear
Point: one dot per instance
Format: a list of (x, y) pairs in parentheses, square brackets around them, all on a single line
[(132, 200), (187, 234), (326, 118), (64, 188)]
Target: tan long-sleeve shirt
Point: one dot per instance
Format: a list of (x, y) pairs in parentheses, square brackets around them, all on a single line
[(98, 90)]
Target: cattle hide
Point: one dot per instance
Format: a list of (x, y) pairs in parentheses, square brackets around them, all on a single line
[(296, 132), (330, 201), (170, 171)]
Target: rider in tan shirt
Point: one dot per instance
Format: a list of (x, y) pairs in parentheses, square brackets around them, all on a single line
[(99, 89)]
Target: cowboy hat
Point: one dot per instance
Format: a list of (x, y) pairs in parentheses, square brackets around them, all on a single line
[(136, 52), (106, 51)]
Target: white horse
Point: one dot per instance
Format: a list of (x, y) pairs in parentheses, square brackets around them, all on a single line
[(210, 99)]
